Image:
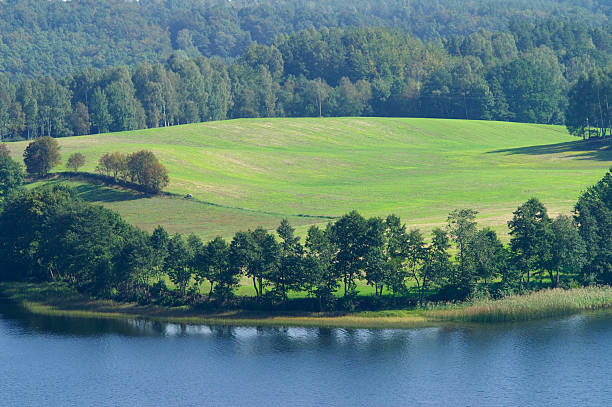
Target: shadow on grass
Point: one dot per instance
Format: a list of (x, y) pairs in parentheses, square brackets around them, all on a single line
[(600, 150), (99, 193)]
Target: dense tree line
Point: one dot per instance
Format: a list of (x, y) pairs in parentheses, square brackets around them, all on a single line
[(49, 234), (522, 76), (60, 37), (589, 113)]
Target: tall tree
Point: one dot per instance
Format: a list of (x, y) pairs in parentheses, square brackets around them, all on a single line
[(320, 274), (75, 161), (376, 261), (178, 262), (415, 256), (568, 252), (100, 117), (594, 218), (437, 267), (11, 174), (462, 228), (397, 251), (41, 155), (80, 120), (289, 273), (530, 237), (348, 234)]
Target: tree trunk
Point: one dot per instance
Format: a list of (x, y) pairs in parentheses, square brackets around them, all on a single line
[(552, 278), (417, 282), (421, 291), (528, 277), (255, 285)]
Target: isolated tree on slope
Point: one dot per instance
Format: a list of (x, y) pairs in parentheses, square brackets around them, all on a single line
[(41, 155)]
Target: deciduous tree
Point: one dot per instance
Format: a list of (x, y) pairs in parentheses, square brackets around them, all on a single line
[(75, 161), (41, 155)]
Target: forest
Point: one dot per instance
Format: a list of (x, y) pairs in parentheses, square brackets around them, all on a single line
[(59, 38), (545, 69)]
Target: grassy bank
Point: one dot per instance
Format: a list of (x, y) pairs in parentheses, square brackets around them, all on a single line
[(59, 300), (250, 172), (537, 305)]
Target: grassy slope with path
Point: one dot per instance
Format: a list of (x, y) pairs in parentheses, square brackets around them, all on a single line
[(249, 172)]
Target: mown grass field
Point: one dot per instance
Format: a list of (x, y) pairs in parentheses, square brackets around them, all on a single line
[(250, 172)]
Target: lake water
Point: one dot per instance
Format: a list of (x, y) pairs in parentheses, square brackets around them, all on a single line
[(49, 361)]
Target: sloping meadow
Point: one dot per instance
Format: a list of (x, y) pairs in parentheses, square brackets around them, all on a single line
[(247, 172)]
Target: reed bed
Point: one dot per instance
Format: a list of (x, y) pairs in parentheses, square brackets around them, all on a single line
[(537, 305)]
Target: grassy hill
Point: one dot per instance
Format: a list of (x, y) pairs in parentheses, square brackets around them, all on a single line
[(250, 172)]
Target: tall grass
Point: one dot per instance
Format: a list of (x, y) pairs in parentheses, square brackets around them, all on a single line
[(537, 305)]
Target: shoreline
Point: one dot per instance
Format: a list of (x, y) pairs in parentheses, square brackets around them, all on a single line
[(54, 299), (30, 298)]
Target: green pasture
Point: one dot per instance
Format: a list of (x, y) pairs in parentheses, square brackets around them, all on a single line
[(249, 172)]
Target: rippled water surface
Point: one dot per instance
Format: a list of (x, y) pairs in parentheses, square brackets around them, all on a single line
[(47, 361)]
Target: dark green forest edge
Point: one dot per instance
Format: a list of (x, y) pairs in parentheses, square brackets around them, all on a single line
[(89, 254), (70, 68)]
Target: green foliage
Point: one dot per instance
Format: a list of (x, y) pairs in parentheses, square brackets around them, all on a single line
[(214, 265), (113, 164), (58, 37), (178, 262), (41, 155), (337, 70), (320, 275), (487, 255), (22, 221), (289, 274), (588, 113), (531, 237), (80, 120), (75, 161), (11, 174), (82, 243), (100, 116), (348, 235), (594, 217), (568, 251), (437, 269), (146, 170)]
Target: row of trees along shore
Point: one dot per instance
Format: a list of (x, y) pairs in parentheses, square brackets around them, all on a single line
[(335, 72), (50, 235)]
